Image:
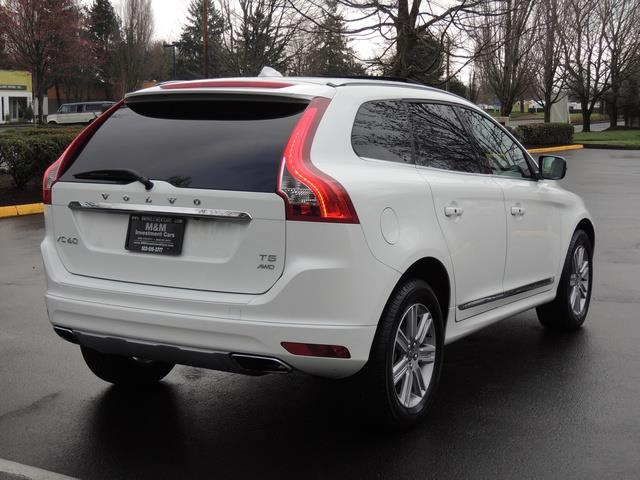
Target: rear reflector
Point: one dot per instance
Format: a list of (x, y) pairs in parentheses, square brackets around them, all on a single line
[(224, 84), (316, 350)]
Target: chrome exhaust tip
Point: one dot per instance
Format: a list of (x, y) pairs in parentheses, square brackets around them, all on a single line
[(257, 363), (66, 333)]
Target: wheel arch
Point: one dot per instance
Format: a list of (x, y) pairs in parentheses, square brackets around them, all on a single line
[(432, 271), (587, 226)]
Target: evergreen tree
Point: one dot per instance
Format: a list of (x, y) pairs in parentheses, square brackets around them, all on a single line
[(330, 52), (261, 36), (189, 62), (104, 35)]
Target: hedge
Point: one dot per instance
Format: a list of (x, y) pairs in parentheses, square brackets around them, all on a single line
[(545, 134), (26, 154)]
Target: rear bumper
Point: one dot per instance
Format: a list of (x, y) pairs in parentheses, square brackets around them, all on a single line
[(208, 335), (332, 292)]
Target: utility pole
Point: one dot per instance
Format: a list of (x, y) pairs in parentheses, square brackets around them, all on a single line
[(205, 36)]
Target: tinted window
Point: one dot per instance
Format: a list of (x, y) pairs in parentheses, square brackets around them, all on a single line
[(220, 145), (503, 155), (93, 107), (381, 131), (441, 139)]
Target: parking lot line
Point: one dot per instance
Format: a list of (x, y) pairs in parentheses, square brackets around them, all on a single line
[(31, 473)]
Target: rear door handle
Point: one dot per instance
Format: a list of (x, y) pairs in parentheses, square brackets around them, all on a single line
[(517, 211), (453, 211)]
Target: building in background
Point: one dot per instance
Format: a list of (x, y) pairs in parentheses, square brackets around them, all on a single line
[(16, 99)]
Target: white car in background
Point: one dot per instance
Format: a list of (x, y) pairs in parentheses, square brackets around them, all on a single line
[(338, 227), (84, 112)]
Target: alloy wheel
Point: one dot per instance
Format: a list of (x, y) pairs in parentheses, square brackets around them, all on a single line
[(579, 281), (414, 354)]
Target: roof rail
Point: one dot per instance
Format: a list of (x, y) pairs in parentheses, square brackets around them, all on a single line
[(383, 78), (370, 80)]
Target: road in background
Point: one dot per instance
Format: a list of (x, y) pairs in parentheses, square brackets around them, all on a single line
[(515, 400)]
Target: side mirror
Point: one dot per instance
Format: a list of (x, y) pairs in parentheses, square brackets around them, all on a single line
[(552, 167)]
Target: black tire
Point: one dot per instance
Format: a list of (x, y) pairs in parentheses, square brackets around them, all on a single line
[(559, 314), (126, 371), (375, 381)]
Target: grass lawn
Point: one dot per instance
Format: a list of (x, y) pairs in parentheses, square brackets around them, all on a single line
[(520, 115), (576, 118), (527, 116), (619, 138)]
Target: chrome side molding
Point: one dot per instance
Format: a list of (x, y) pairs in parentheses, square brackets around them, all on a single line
[(508, 293), (192, 212)]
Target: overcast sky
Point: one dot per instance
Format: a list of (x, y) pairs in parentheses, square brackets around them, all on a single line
[(169, 17)]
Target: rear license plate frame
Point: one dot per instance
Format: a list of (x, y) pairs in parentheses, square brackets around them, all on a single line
[(155, 234)]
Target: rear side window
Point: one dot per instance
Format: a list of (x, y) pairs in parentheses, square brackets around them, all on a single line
[(381, 131), (203, 143), (441, 141)]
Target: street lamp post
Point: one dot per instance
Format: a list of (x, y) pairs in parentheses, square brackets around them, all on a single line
[(172, 46)]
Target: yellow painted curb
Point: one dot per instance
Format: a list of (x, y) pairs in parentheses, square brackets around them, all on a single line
[(562, 148), (19, 210)]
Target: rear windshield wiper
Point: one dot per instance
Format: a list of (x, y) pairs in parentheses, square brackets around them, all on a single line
[(116, 175)]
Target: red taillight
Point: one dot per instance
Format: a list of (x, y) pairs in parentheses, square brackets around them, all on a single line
[(57, 168), (309, 194), (316, 350), (225, 84)]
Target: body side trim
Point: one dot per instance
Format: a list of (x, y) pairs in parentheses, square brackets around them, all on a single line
[(508, 293)]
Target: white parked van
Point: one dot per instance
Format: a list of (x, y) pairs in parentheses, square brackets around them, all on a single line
[(85, 112)]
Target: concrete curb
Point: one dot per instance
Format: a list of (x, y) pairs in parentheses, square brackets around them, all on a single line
[(561, 148), (20, 210)]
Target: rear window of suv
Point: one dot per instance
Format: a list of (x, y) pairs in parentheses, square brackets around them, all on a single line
[(381, 131), (226, 144)]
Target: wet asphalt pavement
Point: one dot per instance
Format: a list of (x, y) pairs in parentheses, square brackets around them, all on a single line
[(515, 401)]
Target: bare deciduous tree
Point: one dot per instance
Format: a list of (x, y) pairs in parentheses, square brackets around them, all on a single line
[(547, 57), (621, 19), (411, 29), (259, 33), (505, 45), (585, 54), (38, 34), (137, 30)]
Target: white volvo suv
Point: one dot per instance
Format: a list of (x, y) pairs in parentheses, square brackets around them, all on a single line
[(338, 227)]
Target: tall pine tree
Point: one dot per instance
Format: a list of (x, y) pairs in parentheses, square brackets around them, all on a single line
[(104, 35), (189, 62), (330, 53), (260, 36)]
